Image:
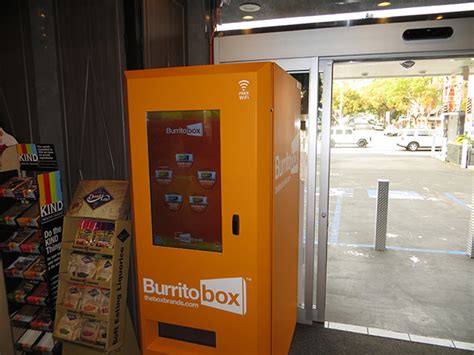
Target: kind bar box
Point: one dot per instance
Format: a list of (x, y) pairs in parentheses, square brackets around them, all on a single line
[(101, 199)]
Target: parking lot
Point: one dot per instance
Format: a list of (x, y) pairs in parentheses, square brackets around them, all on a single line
[(423, 283)]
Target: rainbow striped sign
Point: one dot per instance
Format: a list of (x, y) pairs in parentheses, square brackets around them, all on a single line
[(26, 149), (49, 186)]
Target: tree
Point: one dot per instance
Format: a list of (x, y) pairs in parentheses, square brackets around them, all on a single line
[(352, 101), (416, 97)]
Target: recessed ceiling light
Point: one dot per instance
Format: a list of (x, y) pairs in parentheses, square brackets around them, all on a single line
[(384, 4), (247, 17), (250, 7), (440, 17)]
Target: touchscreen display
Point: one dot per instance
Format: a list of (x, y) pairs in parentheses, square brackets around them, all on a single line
[(185, 179)]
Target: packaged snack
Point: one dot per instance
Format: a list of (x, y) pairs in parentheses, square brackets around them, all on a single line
[(104, 269), (104, 234), (28, 339), (31, 218), (105, 302), (18, 238), (69, 326), (12, 188), (26, 313), (73, 263), (43, 320), (85, 233), (72, 297), (39, 295), (102, 338), (46, 343), (9, 217), (82, 266), (91, 300), (21, 292), (17, 268), (90, 331), (37, 270), (30, 190), (33, 244)]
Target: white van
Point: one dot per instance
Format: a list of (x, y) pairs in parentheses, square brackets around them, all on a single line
[(349, 136), (414, 139)]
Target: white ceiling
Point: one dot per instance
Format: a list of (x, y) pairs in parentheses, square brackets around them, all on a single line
[(386, 69)]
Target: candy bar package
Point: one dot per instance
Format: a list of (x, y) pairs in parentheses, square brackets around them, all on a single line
[(13, 187), (102, 338), (85, 232), (21, 292), (46, 343), (105, 301), (91, 300), (43, 321), (82, 266), (72, 297), (33, 244), (103, 236), (39, 295), (9, 217), (37, 270), (29, 338), (31, 218), (26, 313), (30, 190), (104, 269), (20, 236), (69, 326), (90, 330), (21, 264)]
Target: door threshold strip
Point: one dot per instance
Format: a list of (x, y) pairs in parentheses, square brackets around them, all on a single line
[(400, 336)]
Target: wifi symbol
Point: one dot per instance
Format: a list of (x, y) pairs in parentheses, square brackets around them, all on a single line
[(244, 84)]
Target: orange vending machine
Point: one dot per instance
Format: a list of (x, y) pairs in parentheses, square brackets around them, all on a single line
[(214, 156)]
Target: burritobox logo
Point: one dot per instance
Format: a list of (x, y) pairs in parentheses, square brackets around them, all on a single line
[(227, 294), (195, 129)]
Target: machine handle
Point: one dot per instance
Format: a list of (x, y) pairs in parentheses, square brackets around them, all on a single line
[(235, 224)]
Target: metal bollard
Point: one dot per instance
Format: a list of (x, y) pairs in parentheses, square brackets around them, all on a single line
[(470, 236), (381, 214)]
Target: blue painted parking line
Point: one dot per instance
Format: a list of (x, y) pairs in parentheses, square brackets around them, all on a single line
[(419, 250), (457, 201), (336, 221)]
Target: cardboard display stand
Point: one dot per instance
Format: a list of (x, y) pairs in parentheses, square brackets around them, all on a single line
[(31, 216), (98, 311)]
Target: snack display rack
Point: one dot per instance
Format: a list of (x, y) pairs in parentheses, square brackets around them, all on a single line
[(31, 216), (93, 275)]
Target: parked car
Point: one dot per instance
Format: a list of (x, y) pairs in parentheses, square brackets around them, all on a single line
[(349, 136), (391, 131), (414, 139)]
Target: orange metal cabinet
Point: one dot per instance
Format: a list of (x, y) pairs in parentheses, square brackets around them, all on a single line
[(214, 167)]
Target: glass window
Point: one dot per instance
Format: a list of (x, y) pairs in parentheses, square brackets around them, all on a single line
[(410, 133), (338, 131), (424, 133), (348, 131)]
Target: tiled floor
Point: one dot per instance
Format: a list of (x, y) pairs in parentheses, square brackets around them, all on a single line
[(401, 336)]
